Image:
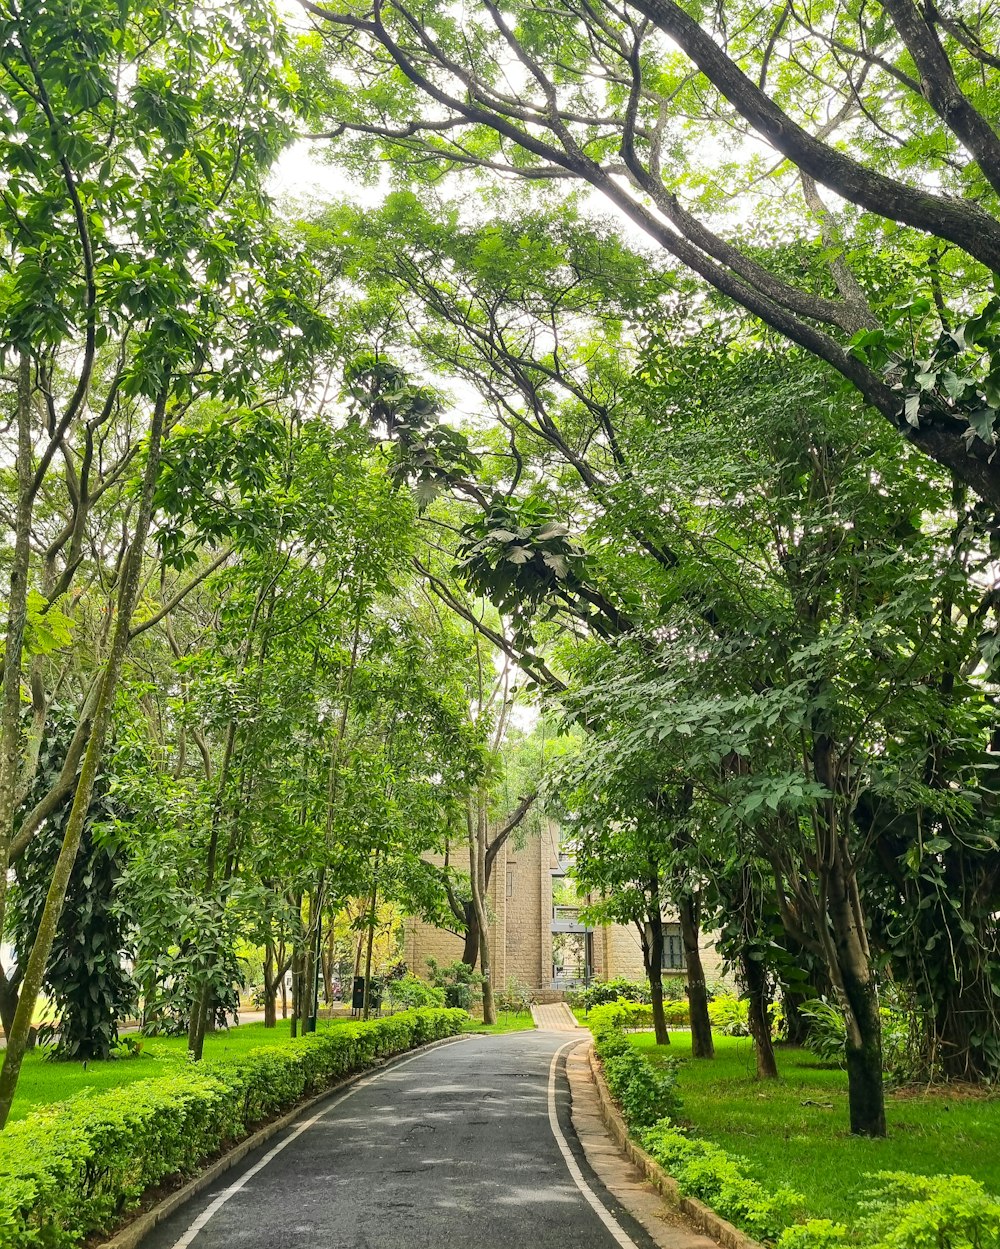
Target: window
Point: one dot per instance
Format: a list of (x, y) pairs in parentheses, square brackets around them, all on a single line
[(673, 948), (510, 881)]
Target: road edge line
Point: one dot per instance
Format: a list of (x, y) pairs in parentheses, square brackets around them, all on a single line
[(703, 1217), (621, 1237), (133, 1233)]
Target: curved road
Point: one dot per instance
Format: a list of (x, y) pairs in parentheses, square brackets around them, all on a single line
[(453, 1148)]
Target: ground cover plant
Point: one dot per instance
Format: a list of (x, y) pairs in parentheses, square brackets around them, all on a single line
[(793, 1132), (74, 1167)]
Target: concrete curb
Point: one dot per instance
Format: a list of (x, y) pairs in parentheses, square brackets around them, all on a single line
[(703, 1217), (131, 1235)]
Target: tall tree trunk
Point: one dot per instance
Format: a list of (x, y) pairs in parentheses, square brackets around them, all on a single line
[(370, 941), (846, 936), (477, 875), (128, 590), (863, 1050), (200, 999), (754, 973), (8, 1004), (329, 955), (17, 615), (652, 957), (296, 967), (755, 979), (470, 951), (702, 1045), (270, 983)]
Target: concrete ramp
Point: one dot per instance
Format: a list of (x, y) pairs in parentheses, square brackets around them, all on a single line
[(554, 1017)]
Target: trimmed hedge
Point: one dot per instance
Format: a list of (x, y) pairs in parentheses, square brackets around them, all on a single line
[(645, 1094), (705, 1171), (907, 1211), (77, 1166)]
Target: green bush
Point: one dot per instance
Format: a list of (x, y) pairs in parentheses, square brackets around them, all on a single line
[(604, 991), (932, 1212), (705, 1171), (730, 1015), (645, 1093), (75, 1167), (908, 1211), (409, 992), (618, 1016), (462, 986), (814, 1234), (514, 998)]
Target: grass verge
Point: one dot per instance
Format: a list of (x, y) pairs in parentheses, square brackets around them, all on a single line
[(43, 1082), (794, 1131), (507, 1021)]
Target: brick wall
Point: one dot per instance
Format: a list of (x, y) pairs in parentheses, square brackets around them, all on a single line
[(520, 903)]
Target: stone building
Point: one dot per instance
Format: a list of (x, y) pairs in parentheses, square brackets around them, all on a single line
[(536, 936)]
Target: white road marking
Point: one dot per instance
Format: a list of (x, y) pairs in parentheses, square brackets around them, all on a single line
[(595, 1203), (214, 1207)]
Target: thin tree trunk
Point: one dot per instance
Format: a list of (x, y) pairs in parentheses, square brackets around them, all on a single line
[(370, 943), (128, 590), (702, 1045), (470, 952), (17, 611), (296, 988), (849, 956), (202, 993), (754, 974), (651, 941), (476, 820), (270, 1015), (863, 1050)]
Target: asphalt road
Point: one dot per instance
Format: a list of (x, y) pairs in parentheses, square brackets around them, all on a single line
[(453, 1148)]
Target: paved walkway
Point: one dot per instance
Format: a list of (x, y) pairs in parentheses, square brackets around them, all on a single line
[(554, 1017), (667, 1227), (463, 1146)]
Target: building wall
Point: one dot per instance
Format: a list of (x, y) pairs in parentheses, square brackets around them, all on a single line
[(520, 904)]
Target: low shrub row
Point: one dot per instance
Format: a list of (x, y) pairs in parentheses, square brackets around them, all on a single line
[(75, 1167), (900, 1210), (674, 993), (705, 1171), (906, 1211), (645, 1093)]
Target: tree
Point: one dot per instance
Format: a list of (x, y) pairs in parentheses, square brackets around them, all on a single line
[(141, 280), (86, 980), (891, 109)]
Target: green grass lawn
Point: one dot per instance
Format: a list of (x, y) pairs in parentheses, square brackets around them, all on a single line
[(793, 1131), (43, 1082), (507, 1021)]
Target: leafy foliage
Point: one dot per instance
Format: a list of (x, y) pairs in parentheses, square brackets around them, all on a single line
[(704, 1170), (87, 982)]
